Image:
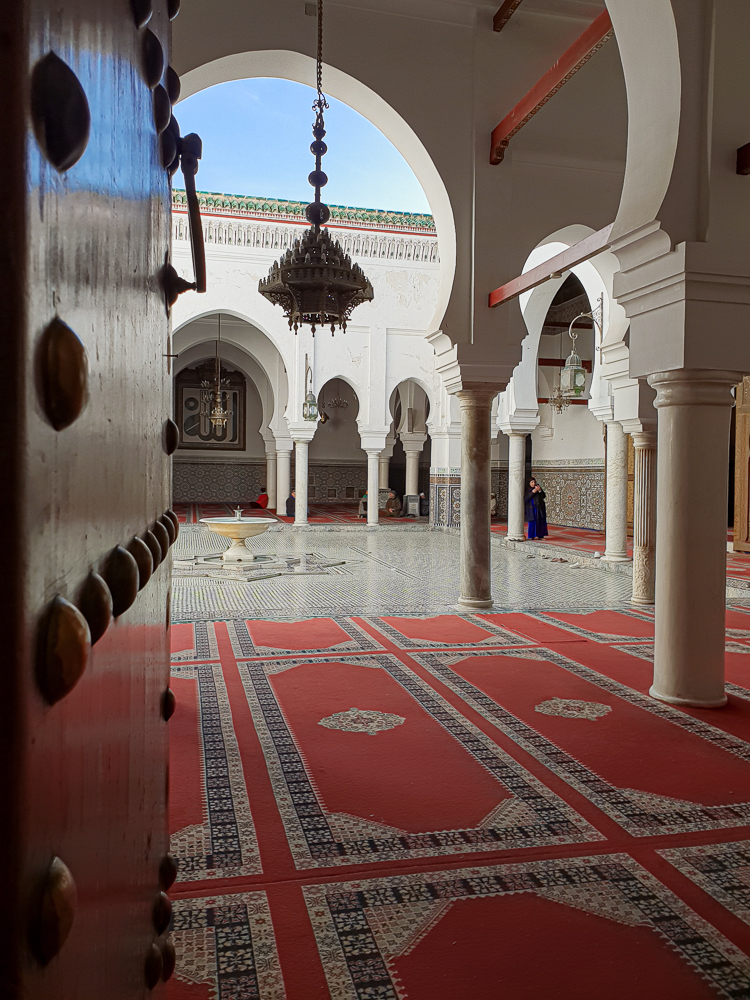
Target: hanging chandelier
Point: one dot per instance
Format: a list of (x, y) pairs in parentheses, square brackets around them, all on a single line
[(336, 402), (557, 401), (214, 397), (315, 281)]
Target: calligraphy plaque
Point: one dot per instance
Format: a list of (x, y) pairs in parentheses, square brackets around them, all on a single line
[(196, 430)]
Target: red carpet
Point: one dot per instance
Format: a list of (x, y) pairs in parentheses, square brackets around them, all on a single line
[(455, 807)]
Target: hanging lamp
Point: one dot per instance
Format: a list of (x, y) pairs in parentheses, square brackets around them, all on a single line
[(315, 282), (310, 405), (214, 398), (573, 375)]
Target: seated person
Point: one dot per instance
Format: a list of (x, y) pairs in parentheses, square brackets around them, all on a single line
[(493, 505), (392, 505), (290, 504), (424, 506), (263, 498)]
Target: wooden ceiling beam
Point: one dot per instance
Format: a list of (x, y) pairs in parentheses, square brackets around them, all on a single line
[(504, 15), (554, 267), (579, 53)]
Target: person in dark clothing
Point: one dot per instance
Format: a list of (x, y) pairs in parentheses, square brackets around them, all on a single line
[(536, 510), (290, 503), (424, 506)]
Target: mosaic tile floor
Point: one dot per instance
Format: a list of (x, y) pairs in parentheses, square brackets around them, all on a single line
[(391, 570)]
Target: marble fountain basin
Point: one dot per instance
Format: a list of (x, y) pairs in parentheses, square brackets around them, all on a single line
[(238, 529)]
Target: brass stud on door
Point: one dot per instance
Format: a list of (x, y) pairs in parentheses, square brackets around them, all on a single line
[(95, 602), (169, 960), (121, 575), (142, 555), (168, 704), (170, 436), (161, 536), (162, 912), (167, 872), (63, 652), (173, 9), (156, 551), (152, 58), (142, 11), (59, 112), (153, 966), (170, 528), (174, 519), (162, 108), (173, 85), (56, 912), (62, 368)]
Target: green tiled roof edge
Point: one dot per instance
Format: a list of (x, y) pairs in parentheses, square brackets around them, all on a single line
[(279, 206)]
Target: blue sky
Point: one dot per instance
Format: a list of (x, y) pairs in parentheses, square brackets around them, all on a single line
[(256, 141)]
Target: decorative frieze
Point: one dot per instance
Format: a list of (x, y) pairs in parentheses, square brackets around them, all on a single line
[(258, 224), (230, 482)]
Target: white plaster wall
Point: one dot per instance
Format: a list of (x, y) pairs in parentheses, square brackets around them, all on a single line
[(577, 435)]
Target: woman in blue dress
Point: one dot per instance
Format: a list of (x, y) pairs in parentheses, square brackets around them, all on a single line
[(536, 510)]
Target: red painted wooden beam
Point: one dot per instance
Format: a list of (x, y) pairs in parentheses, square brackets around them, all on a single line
[(504, 15), (579, 53), (576, 254)]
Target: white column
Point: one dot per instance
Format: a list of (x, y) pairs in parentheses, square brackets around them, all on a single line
[(300, 482), (384, 465), (476, 475), (694, 411), (271, 478), (516, 485), (644, 517), (412, 473), (616, 515), (373, 478), (283, 478)]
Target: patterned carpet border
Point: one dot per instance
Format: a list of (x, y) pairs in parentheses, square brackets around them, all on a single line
[(227, 943), (722, 870), (640, 813), (359, 949)]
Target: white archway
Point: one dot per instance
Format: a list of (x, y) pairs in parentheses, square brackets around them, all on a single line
[(289, 65)]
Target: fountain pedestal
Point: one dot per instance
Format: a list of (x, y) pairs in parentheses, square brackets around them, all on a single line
[(238, 529)]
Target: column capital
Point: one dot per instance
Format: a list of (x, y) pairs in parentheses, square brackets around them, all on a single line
[(302, 434), (373, 452), (694, 387), (644, 440), (480, 395)]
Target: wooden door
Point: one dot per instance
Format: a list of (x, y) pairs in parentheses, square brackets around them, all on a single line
[(86, 226), (742, 468)]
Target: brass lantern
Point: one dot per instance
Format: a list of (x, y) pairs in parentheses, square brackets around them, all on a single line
[(310, 405), (573, 375)]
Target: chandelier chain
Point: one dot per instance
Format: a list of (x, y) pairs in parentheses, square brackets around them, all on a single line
[(320, 103)]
